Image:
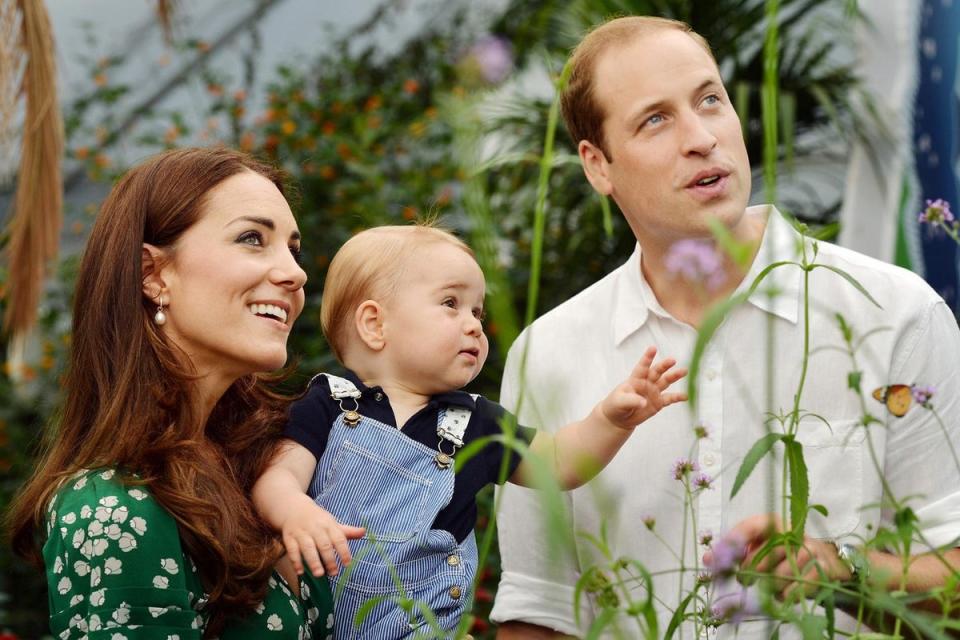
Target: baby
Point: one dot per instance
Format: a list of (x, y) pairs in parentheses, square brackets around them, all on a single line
[(403, 311)]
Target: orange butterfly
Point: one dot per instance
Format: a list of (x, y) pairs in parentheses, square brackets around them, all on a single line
[(897, 397)]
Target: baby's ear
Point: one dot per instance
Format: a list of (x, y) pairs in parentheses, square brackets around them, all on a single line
[(369, 323)]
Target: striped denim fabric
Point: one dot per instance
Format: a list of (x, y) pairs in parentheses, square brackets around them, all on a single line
[(375, 476)]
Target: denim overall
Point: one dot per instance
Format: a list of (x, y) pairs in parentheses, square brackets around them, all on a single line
[(373, 475)]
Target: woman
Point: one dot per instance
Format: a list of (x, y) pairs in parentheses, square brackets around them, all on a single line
[(139, 510)]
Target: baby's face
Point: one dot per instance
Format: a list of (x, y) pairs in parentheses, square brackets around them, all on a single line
[(433, 333)]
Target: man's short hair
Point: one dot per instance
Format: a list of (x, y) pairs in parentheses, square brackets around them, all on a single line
[(370, 266), (582, 114)]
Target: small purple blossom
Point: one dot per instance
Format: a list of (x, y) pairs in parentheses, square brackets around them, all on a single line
[(937, 212), (702, 482), (726, 552), (734, 603), (492, 57), (706, 537), (696, 261), (649, 522), (922, 395), (683, 467)]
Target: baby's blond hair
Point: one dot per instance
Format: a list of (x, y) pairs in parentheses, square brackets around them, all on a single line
[(370, 266)]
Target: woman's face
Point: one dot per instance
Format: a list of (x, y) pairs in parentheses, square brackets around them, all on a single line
[(232, 284)]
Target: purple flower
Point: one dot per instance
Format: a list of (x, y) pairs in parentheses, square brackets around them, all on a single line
[(725, 554), (493, 58), (696, 261), (734, 603), (702, 481), (922, 395), (649, 522), (937, 212), (683, 467)]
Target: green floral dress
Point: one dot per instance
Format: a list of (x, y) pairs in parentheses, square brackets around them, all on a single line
[(116, 571)]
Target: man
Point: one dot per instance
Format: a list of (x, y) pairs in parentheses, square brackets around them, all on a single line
[(656, 131)]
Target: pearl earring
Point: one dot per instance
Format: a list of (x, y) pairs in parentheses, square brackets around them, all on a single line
[(160, 318)]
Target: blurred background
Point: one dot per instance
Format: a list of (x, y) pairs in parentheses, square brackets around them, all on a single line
[(384, 111)]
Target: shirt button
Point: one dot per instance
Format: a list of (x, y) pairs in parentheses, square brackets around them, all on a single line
[(455, 593), (378, 397), (709, 460), (453, 560)]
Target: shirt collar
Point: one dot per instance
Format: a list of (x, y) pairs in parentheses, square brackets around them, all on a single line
[(455, 397), (780, 242), (634, 300)]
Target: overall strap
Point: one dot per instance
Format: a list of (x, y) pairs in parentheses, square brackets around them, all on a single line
[(450, 428), (340, 389)]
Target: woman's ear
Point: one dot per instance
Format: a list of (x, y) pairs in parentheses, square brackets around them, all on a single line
[(151, 266), (368, 321)]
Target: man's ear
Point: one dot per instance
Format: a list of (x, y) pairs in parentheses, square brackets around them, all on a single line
[(595, 166), (368, 320), (151, 267)]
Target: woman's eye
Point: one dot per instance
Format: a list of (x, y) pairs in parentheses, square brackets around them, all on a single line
[(254, 238)]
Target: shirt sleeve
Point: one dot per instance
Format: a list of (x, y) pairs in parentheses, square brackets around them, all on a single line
[(497, 420), (928, 438), (538, 574), (115, 566), (311, 419)]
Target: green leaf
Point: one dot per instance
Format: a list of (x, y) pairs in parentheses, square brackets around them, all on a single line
[(853, 380), (849, 278), (812, 626), (678, 616), (819, 508), (759, 449), (601, 622), (711, 322), (799, 485)]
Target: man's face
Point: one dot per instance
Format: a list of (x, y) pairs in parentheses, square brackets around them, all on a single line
[(676, 152)]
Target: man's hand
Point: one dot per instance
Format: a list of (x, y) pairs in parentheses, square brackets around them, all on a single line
[(314, 535), (815, 562), (643, 394)]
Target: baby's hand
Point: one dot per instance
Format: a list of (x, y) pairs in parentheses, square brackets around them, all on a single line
[(316, 536), (644, 392)]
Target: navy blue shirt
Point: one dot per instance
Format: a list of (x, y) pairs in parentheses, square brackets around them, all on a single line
[(312, 417)]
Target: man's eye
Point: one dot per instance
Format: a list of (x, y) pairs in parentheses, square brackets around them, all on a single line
[(712, 99), (254, 238), (654, 120)]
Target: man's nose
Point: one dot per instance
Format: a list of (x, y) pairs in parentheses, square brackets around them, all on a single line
[(698, 139)]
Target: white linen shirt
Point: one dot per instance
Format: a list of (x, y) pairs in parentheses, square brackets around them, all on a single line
[(580, 350)]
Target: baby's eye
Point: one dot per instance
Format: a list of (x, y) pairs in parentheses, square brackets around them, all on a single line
[(450, 302), (254, 238), (480, 314)]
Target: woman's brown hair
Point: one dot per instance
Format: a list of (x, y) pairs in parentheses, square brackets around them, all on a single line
[(128, 392)]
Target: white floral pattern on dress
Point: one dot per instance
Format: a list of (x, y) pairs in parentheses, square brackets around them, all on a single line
[(116, 541)]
